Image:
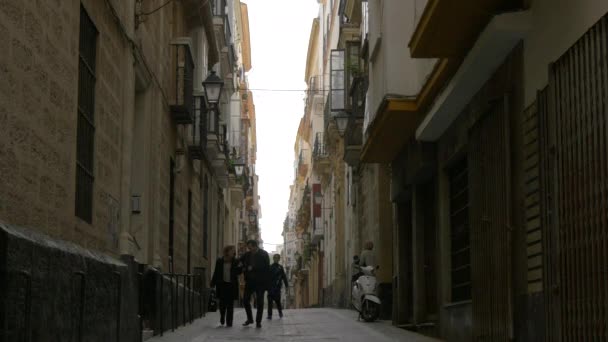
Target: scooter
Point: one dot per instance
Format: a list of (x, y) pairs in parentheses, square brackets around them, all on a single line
[(365, 295)]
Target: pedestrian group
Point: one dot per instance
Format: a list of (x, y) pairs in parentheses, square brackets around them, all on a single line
[(260, 277)]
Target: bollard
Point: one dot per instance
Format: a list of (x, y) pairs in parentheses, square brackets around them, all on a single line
[(184, 301), (82, 302), (161, 310), (191, 286), (118, 303), (173, 307), (28, 305), (140, 307)]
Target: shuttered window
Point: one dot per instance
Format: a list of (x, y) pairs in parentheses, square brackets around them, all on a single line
[(532, 199), (85, 134), (577, 238), (460, 232)]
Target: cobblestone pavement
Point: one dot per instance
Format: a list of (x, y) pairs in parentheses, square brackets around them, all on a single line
[(306, 325)]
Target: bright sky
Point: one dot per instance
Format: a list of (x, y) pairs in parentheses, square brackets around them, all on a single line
[(279, 42)]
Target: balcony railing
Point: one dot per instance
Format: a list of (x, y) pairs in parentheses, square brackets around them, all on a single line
[(197, 141), (182, 98), (358, 91), (319, 150)]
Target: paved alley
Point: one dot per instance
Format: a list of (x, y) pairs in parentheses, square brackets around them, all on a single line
[(297, 325)]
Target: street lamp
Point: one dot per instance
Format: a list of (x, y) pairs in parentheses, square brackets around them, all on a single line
[(238, 169), (341, 122), (213, 88)]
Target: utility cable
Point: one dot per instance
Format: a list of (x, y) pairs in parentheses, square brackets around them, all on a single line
[(158, 9)]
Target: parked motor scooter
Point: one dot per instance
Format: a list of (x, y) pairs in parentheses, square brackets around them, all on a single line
[(365, 296)]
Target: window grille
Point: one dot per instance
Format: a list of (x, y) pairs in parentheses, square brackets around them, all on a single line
[(460, 232), (86, 119)]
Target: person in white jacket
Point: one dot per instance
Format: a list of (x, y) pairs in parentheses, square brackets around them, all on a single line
[(368, 258)]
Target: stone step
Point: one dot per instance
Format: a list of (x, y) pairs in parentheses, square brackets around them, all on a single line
[(147, 334)]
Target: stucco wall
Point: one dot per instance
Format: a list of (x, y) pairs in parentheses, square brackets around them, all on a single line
[(392, 70), (557, 25)]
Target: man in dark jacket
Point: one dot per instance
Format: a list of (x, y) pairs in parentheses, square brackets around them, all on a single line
[(278, 278), (256, 265)]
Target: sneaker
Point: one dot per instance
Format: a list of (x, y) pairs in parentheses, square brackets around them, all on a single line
[(280, 315), (229, 325), (247, 323), (269, 317), (258, 325)]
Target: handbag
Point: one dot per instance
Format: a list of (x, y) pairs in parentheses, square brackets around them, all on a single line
[(212, 305)]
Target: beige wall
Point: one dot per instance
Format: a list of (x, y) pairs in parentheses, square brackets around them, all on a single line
[(376, 220), (392, 71), (557, 24)]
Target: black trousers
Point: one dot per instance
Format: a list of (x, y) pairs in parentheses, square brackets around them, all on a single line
[(259, 295), (274, 297), (226, 297)]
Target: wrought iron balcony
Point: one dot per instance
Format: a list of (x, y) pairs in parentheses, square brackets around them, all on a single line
[(197, 139), (358, 91), (353, 137), (220, 162), (212, 132), (181, 91), (320, 149)]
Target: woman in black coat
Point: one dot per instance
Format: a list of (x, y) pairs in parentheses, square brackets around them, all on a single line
[(225, 280)]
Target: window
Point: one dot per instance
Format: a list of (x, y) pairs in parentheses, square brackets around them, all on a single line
[(459, 236), (337, 80), (85, 133)]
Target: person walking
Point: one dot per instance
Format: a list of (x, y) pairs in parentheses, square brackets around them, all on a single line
[(225, 280), (278, 278), (256, 265)]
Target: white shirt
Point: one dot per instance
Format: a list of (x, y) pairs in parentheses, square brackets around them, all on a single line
[(227, 267)]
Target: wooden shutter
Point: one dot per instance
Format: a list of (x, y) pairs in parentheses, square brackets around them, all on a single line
[(577, 138)]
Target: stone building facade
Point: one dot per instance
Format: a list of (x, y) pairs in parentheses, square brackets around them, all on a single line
[(468, 147), (112, 163)]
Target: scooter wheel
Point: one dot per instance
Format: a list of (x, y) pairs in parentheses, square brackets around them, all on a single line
[(370, 311)]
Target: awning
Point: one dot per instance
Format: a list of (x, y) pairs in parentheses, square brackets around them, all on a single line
[(495, 43)]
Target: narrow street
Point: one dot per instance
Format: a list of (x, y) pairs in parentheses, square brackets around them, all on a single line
[(297, 325)]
